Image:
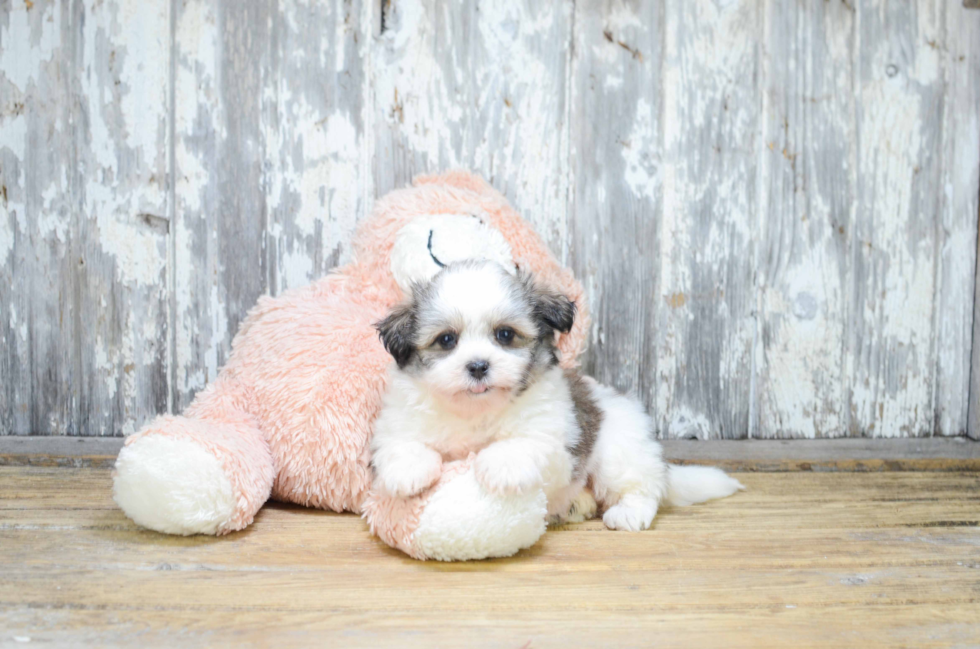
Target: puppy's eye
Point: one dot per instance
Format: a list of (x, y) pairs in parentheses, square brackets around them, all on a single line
[(446, 340), (505, 336)]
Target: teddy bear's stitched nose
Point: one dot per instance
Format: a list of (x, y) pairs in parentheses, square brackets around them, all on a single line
[(478, 369)]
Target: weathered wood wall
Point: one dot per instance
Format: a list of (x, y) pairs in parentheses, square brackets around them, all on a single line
[(773, 203)]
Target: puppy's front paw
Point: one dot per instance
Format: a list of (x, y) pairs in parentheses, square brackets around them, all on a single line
[(411, 474), (504, 473), (630, 515)]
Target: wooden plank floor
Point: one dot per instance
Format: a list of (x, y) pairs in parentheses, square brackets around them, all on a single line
[(800, 559)]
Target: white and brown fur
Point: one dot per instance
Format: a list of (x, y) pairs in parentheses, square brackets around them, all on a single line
[(461, 386)]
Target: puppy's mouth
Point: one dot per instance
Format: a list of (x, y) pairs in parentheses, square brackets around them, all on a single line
[(483, 389)]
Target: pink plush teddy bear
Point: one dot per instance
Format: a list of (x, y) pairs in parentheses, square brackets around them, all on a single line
[(290, 415)]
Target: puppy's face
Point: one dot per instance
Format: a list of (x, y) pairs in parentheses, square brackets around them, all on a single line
[(476, 335)]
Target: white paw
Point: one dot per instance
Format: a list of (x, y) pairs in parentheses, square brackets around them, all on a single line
[(411, 474), (506, 473), (630, 516), (172, 485)]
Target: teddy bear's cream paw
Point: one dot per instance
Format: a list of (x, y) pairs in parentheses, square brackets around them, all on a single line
[(505, 473), (172, 485), (462, 521)]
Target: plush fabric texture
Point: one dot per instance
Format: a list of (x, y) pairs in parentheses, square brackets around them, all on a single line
[(198, 503), (460, 522), (290, 414), (456, 520), (395, 520)]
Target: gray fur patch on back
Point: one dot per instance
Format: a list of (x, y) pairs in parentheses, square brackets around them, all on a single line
[(587, 413)]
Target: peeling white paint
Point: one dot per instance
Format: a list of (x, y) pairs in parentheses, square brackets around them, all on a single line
[(413, 88), (710, 114), (893, 373), (687, 424), (330, 153), (340, 58), (196, 31), (297, 268), (13, 138), (492, 100), (613, 83), (139, 252), (13, 135), (961, 165), (105, 366), (19, 327), (201, 337), (125, 43), (316, 146), (6, 233), (802, 359), (511, 36), (187, 324), (495, 90), (54, 220), (192, 181), (28, 44), (145, 73), (639, 151)]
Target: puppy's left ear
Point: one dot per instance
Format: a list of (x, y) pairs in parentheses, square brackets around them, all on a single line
[(397, 333), (554, 309)]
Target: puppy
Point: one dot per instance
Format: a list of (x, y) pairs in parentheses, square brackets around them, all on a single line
[(477, 372)]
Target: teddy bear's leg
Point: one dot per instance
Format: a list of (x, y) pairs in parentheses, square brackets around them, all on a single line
[(205, 473), (457, 520)]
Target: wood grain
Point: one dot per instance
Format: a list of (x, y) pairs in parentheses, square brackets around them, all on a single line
[(964, 57), (773, 205), (224, 90), (37, 278), (807, 197), (89, 298), (316, 137), (270, 110), (705, 335), (481, 86), (120, 202), (796, 560), (896, 233), (617, 195), (841, 454), (960, 213)]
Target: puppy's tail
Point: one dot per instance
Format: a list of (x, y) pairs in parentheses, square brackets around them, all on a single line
[(695, 484)]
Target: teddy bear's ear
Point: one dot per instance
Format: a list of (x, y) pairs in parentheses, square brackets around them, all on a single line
[(397, 333)]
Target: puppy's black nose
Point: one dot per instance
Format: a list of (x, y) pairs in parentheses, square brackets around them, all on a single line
[(478, 369)]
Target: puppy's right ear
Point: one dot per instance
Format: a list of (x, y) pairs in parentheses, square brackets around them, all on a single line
[(554, 310), (397, 333)]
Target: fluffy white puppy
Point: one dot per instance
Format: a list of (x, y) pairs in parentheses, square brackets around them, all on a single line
[(477, 372)]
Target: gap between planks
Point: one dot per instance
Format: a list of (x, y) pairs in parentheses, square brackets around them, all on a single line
[(932, 454)]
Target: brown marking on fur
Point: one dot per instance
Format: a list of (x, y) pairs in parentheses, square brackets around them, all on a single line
[(587, 413)]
